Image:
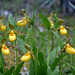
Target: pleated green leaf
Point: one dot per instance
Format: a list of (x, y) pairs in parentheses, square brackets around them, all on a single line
[(45, 21), (16, 72), (21, 44), (10, 71), (12, 21)]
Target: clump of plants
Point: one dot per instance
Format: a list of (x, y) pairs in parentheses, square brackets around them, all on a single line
[(44, 62)]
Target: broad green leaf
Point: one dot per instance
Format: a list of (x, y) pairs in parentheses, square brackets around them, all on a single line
[(2, 63), (60, 42), (32, 69), (21, 44), (69, 65), (41, 58), (42, 69), (10, 71), (34, 47), (70, 74), (55, 72), (49, 71), (12, 21), (51, 57), (1, 73), (16, 72), (45, 21), (56, 61)]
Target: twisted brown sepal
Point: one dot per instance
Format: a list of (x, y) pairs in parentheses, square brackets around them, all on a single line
[(1, 18), (11, 26), (3, 41)]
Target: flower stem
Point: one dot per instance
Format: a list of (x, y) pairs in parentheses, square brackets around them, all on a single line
[(2, 62), (34, 54), (61, 65), (16, 54), (52, 42), (36, 64), (48, 50)]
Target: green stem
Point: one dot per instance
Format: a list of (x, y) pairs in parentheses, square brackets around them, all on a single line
[(48, 50), (16, 54), (61, 65), (33, 32), (52, 42), (36, 54), (0, 57), (2, 68), (72, 59), (36, 64)]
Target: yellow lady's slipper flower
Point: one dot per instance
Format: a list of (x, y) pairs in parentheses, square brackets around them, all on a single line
[(22, 22), (26, 57), (63, 31), (5, 50), (12, 36), (70, 49), (2, 28)]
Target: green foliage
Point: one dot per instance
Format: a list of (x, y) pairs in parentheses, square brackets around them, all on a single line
[(56, 21), (60, 42), (16, 72), (42, 69), (10, 71), (51, 57), (34, 13), (56, 71), (32, 70), (41, 58), (21, 44), (49, 71), (1, 73), (56, 61), (45, 61), (45, 21), (69, 65), (12, 21)]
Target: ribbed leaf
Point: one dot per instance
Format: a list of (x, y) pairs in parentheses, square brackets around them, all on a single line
[(31, 71), (41, 58), (34, 13), (42, 69), (51, 57), (49, 71), (10, 71), (12, 21), (69, 65), (56, 22), (1, 73), (60, 42), (16, 72), (45, 21), (56, 61), (55, 72), (21, 44)]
